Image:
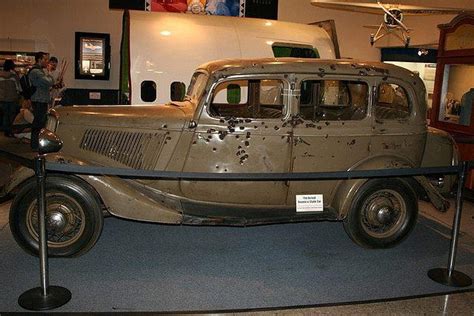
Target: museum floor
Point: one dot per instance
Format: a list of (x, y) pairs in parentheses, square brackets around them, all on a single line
[(461, 303)]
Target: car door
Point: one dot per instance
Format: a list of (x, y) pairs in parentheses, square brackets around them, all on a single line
[(333, 131), (399, 127), (241, 130)]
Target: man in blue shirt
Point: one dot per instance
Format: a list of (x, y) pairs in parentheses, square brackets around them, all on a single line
[(40, 99), (466, 108)]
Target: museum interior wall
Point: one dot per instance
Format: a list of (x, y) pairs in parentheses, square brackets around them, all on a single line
[(32, 25)]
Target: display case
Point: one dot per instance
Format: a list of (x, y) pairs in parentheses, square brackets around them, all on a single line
[(23, 60), (453, 94)]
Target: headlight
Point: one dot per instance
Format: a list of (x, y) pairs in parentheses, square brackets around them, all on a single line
[(52, 120)]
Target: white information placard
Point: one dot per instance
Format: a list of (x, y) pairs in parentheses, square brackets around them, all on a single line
[(309, 203)]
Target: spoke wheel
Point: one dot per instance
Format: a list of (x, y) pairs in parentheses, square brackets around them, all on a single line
[(382, 214), (73, 216), (65, 220)]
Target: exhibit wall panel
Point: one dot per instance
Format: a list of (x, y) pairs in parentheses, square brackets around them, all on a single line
[(50, 25), (354, 37)]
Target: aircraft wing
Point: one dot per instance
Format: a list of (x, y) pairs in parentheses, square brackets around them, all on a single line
[(420, 10), (374, 8)]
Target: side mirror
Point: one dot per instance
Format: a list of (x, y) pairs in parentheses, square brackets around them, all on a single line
[(49, 142)]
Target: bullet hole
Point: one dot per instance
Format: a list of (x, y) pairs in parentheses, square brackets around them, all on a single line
[(214, 149), (263, 138), (362, 73), (221, 120), (266, 126), (209, 137), (211, 130), (326, 136), (247, 135), (319, 127), (243, 159), (385, 78), (225, 170), (194, 142), (247, 144), (237, 136), (353, 65), (242, 127), (217, 167), (352, 142), (327, 123), (333, 67), (165, 126), (276, 128), (231, 130), (240, 147), (255, 127), (263, 123), (332, 156), (222, 135), (310, 125), (248, 120)]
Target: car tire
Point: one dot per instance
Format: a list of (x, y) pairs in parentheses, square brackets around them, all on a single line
[(382, 214), (74, 218)]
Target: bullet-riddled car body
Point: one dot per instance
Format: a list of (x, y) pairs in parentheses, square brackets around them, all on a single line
[(247, 116)]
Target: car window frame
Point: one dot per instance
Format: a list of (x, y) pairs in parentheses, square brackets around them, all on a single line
[(369, 81), (412, 99), (286, 111)]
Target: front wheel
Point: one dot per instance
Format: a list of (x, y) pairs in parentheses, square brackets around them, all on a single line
[(382, 214), (73, 217)]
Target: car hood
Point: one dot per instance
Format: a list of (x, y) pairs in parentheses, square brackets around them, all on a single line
[(142, 117)]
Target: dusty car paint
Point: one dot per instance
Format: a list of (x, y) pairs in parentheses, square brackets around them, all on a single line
[(186, 137)]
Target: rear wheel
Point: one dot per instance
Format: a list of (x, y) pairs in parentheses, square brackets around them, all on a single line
[(382, 214), (73, 217)]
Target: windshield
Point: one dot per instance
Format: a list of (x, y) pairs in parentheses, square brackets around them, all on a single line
[(197, 86)]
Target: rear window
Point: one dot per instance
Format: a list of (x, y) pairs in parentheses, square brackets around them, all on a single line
[(290, 50)]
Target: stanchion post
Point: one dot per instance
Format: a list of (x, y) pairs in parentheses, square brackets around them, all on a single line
[(450, 276), (44, 297)]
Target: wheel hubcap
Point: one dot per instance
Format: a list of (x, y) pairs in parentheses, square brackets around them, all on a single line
[(383, 213), (64, 220)]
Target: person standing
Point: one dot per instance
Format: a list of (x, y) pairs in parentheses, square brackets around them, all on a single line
[(9, 95), (43, 82), (59, 85)]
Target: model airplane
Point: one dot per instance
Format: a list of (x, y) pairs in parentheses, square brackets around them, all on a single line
[(393, 16)]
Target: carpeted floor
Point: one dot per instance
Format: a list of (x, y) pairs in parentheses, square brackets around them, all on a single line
[(147, 267)]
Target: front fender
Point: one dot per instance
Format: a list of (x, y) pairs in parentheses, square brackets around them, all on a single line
[(121, 197)]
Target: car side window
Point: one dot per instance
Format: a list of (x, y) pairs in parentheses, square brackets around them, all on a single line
[(260, 98), (392, 102), (333, 100)]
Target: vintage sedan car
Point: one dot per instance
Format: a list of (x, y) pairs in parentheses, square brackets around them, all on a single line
[(246, 116)]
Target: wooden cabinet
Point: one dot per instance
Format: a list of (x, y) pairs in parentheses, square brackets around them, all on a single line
[(453, 95)]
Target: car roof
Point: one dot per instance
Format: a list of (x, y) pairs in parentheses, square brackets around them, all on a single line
[(321, 67)]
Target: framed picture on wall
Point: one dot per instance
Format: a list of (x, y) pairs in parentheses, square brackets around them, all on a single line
[(92, 56)]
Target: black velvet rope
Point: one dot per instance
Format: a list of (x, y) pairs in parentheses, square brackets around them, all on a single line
[(293, 176)]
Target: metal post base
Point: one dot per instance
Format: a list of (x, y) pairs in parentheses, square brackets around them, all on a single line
[(34, 299), (457, 279)]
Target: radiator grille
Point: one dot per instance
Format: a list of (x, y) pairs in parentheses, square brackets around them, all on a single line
[(133, 149)]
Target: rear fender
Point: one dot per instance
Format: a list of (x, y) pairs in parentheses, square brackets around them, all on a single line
[(346, 190)]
